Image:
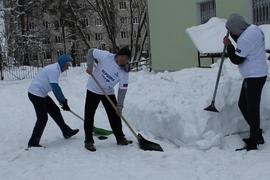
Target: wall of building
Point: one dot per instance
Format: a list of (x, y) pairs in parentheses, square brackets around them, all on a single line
[(171, 48)]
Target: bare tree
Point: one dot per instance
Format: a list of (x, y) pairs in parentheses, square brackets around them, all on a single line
[(107, 12)]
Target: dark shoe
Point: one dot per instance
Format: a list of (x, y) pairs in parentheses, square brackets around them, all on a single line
[(70, 133), (34, 145), (259, 141), (250, 145), (123, 142), (90, 146)]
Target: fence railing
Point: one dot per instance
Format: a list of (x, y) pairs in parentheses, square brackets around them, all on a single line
[(18, 72)]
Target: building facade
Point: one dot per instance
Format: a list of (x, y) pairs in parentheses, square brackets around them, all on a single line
[(47, 33), (171, 48)]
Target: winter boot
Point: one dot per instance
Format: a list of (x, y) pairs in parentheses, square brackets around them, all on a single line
[(90, 146), (70, 133), (260, 139), (123, 141)]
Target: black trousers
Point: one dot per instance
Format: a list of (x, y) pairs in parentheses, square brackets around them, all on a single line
[(43, 107), (249, 103), (91, 104)]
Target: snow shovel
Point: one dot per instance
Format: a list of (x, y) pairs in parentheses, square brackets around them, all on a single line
[(143, 143), (97, 131), (212, 107)]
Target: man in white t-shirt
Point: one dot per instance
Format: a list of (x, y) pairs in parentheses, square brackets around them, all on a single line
[(45, 81), (250, 57), (111, 69)]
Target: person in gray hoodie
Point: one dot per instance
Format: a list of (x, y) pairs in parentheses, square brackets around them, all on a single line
[(250, 56)]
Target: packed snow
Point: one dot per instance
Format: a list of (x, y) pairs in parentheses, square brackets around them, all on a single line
[(166, 108)]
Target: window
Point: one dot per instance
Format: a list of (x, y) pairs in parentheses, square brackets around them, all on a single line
[(85, 22), (46, 24), (124, 34), (136, 20), (98, 21), (57, 39), (123, 5), (261, 11), (207, 10), (31, 25), (88, 37), (124, 20), (99, 36), (56, 24)]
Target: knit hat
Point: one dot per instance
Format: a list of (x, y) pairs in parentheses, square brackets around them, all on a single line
[(236, 24), (124, 51), (62, 60)]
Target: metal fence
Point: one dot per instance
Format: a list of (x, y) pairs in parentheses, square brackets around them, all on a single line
[(261, 11), (18, 72)]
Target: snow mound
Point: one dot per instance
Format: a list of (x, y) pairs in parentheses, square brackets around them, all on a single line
[(266, 30), (208, 37), (170, 105)]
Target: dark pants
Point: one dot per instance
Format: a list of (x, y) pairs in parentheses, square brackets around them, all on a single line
[(249, 103), (43, 107), (91, 104)]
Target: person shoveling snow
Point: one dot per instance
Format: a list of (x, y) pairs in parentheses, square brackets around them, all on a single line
[(46, 81), (250, 57), (111, 70)]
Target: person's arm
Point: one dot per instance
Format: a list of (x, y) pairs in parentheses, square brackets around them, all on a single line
[(57, 91), (121, 98), (90, 61), (235, 59), (123, 86)]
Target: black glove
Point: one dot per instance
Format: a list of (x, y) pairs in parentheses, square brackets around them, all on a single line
[(65, 106)]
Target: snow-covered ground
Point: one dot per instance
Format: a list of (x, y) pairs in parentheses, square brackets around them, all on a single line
[(166, 107)]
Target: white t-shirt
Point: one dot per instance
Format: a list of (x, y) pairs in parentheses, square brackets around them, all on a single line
[(40, 85), (251, 45), (108, 73)]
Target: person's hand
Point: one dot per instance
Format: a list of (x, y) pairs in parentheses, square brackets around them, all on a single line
[(65, 106), (226, 41)]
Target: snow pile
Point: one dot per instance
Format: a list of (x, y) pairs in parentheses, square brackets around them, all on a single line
[(170, 105), (266, 29), (208, 37)]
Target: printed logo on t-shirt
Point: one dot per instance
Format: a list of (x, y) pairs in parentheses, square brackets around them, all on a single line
[(106, 76)]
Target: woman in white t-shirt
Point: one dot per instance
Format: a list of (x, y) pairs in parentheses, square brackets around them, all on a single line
[(250, 57), (111, 69)]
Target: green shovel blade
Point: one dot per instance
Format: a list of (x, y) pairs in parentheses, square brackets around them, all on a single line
[(103, 132)]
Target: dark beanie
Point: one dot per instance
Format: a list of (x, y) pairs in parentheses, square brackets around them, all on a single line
[(124, 51)]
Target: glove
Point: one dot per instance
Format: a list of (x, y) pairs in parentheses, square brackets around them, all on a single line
[(65, 106), (227, 41)]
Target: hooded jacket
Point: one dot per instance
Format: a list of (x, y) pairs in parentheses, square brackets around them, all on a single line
[(236, 24)]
